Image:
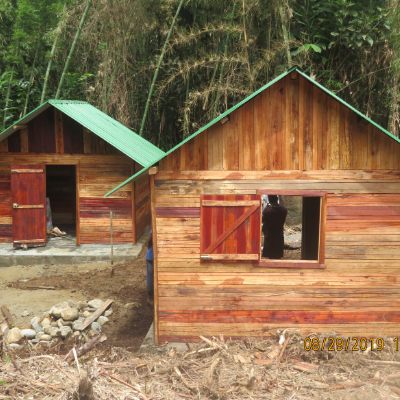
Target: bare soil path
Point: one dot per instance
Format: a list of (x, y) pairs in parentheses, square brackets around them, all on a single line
[(127, 327)]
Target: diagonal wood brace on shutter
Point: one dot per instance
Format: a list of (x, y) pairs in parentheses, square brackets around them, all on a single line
[(234, 226)]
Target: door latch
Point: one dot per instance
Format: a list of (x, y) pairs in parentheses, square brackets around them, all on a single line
[(15, 205)]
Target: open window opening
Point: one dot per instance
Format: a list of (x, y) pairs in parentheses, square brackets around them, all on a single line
[(290, 227), (232, 230), (61, 203)]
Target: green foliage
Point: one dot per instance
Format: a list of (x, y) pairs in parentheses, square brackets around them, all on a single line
[(350, 46)]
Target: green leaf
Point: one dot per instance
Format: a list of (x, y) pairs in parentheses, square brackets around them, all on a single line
[(316, 48), (324, 60), (369, 40)]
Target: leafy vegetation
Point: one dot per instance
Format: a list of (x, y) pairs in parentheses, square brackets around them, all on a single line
[(217, 53)]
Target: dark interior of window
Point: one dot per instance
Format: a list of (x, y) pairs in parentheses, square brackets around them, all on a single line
[(290, 227)]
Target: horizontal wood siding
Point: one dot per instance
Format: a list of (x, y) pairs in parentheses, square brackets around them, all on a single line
[(97, 175), (95, 180), (356, 294), (292, 125)]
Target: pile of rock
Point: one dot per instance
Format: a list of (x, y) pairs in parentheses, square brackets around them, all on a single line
[(62, 321)]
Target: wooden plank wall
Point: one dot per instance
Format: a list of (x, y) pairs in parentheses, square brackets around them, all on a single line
[(97, 175), (356, 294), (54, 138), (292, 125), (142, 202)]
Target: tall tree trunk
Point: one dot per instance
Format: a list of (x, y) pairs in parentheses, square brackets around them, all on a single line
[(28, 92), (221, 74), (157, 69), (46, 78), (53, 50), (285, 34), (8, 97), (71, 52)]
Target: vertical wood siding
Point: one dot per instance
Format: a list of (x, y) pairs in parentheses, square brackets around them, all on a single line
[(142, 202), (292, 125)]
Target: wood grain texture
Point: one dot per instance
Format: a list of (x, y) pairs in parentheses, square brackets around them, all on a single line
[(292, 125)]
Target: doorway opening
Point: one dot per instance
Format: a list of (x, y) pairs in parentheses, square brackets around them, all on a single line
[(61, 203)]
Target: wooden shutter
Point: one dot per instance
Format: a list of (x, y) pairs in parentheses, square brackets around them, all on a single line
[(28, 187), (230, 228)]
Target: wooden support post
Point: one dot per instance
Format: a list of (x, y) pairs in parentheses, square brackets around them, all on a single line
[(112, 244)]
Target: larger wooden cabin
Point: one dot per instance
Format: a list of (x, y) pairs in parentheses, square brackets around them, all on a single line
[(71, 153), (292, 137)]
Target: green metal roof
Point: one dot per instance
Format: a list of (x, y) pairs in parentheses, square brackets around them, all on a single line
[(112, 131), (294, 68)]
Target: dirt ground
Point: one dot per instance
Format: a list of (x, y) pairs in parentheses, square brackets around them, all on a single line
[(127, 327)]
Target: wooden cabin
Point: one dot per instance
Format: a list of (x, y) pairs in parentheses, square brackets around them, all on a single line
[(71, 153), (292, 137)]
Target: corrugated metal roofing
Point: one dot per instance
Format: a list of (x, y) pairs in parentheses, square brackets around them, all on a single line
[(142, 171), (112, 131)]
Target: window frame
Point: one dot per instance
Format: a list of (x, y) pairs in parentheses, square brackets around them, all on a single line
[(300, 264)]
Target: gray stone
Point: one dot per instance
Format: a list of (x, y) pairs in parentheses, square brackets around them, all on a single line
[(54, 324), (15, 346), (39, 335), (36, 326), (96, 303), (60, 323), (35, 341), (81, 305), (70, 314), (108, 312), (77, 324), (46, 322), (47, 329), (35, 319), (55, 332), (91, 310), (66, 331), (14, 335), (87, 314), (102, 320), (57, 309), (46, 314), (28, 333), (68, 323), (96, 327), (25, 313), (77, 334), (130, 306), (46, 338), (71, 303)]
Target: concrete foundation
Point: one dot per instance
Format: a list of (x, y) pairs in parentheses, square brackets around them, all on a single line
[(63, 250), (148, 345)]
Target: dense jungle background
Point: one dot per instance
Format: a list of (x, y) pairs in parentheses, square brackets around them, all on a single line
[(202, 56)]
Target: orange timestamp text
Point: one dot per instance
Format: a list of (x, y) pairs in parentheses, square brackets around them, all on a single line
[(350, 343)]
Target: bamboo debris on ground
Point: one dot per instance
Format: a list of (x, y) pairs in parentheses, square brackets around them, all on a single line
[(217, 369)]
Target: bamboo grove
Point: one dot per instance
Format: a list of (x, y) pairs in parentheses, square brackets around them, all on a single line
[(166, 67)]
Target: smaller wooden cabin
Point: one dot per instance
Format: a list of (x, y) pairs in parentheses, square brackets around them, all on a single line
[(72, 153), (292, 137)]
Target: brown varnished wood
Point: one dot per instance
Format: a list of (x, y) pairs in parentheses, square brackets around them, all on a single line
[(154, 225)]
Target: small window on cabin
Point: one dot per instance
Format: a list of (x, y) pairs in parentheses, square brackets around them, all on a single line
[(290, 227), (284, 230)]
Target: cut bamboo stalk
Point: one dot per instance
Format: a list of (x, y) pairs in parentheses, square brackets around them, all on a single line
[(71, 52), (157, 68)]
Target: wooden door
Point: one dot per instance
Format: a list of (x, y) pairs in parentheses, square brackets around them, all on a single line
[(28, 187)]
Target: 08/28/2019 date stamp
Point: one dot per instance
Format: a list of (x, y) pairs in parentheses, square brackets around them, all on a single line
[(346, 344)]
